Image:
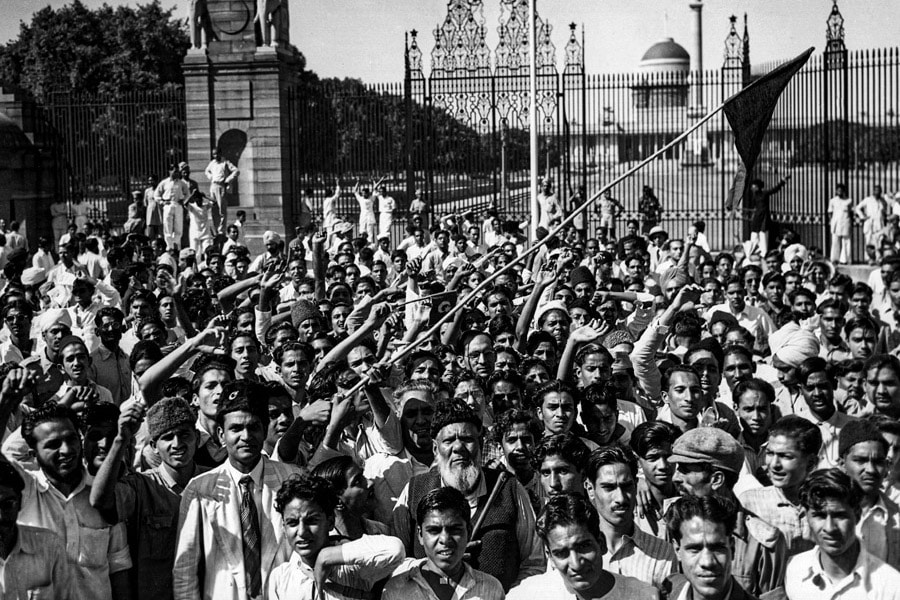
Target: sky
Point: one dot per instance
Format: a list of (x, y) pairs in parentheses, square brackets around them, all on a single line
[(364, 38)]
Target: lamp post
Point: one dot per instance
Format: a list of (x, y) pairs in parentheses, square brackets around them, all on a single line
[(532, 114)]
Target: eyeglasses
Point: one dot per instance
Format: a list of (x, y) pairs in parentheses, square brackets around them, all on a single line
[(20, 318)]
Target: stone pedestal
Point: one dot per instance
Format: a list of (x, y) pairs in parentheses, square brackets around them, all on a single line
[(236, 91)]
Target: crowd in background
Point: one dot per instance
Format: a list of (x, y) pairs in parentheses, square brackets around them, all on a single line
[(611, 417)]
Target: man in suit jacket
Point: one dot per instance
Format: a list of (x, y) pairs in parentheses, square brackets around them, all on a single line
[(230, 535)]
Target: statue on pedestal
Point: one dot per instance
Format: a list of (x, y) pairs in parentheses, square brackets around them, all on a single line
[(273, 22)]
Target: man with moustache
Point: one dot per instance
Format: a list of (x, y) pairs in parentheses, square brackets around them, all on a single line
[(57, 492), (570, 530), (507, 546), (611, 484), (229, 531), (702, 530), (148, 502), (707, 463)]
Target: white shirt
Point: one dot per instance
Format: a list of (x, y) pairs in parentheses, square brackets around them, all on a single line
[(256, 474), (871, 579)]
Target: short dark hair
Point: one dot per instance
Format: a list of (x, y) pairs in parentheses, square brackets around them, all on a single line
[(611, 455), (567, 509), (883, 361), (713, 508), (444, 499), (505, 421), (803, 431), (864, 323), (554, 385), (813, 364), (830, 484), (567, 446), (333, 471), (651, 435), (667, 376), (602, 393), (48, 411), (309, 488), (755, 385)]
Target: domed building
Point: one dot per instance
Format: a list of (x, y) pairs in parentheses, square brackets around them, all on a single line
[(665, 68)]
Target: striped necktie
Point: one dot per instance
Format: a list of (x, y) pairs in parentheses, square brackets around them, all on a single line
[(250, 531)]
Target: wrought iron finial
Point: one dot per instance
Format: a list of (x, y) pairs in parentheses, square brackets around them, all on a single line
[(574, 52), (834, 33), (414, 56), (733, 47)]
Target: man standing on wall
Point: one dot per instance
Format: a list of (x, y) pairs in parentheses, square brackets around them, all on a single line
[(220, 172)]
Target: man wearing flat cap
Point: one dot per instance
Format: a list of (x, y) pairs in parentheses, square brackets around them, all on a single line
[(707, 462)]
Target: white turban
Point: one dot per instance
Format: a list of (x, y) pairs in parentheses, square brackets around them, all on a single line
[(54, 316), (792, 345)]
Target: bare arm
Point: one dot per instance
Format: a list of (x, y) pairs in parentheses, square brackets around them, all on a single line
[(227, 295), (209, 340), (542, 280), (582, 335), (378, 315), (103, 489)]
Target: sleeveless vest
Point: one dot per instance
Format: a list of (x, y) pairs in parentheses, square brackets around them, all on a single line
[(499, 552)]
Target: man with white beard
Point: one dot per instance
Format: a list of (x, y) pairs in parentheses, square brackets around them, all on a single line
[(504, 543)]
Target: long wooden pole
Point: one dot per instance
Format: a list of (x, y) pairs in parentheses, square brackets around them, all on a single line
[(534, 248)]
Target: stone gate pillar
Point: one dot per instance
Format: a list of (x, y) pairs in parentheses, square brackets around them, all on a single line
[(237, 76)]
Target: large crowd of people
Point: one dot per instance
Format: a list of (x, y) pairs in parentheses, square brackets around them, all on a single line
[(608, 418)]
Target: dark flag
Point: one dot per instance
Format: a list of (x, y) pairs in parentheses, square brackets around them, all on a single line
[(749, 113)]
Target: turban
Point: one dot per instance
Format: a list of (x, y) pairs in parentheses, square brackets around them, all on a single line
[(674, 274), (792, 345), (794, 251), (55, 316), (34, 276), (271, 236)]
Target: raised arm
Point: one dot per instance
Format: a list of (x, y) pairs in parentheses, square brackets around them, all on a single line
[(211, 340), (103, 489), (376, 318), (582, 335), (227, 295), (543, 279)]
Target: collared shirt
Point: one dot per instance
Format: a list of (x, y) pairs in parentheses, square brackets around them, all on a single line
[(48, 376), (148, 503), (36, 566), (790, 403), (831, 430), (256, 474), (94, 547), (112, 371), (221, 172), (772, 506), (871, 579), (879, 530), (551, 585), (389, 474), (9, 352), (210, 443), (366, 561), (408, 583), (753, 319), (642, 556)]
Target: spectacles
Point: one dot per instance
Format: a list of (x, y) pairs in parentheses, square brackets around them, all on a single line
[(20, 318)]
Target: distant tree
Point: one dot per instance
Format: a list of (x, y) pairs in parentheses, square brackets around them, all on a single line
[(108, 50)]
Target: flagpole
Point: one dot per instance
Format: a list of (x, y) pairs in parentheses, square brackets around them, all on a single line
[(461, 304), (532, 116)]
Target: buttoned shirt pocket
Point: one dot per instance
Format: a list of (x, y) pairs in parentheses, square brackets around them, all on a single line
[(93, 548), (159, 532)]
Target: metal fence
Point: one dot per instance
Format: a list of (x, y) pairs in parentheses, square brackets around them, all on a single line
[(459, 134), (109, 146)]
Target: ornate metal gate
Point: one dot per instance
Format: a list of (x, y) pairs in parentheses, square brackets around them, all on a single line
[(470, 147)]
